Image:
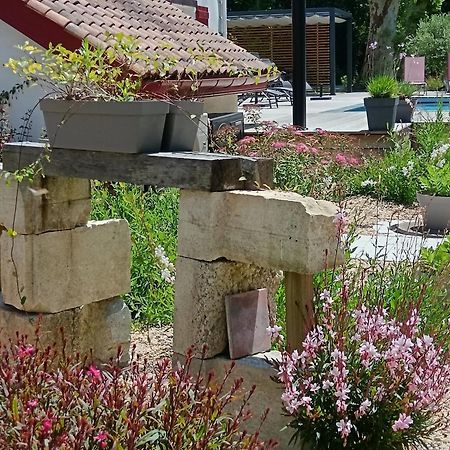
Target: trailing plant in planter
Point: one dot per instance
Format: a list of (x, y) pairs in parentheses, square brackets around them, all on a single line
[(406, 103), (95, 99), (381, 106), (434, 195)]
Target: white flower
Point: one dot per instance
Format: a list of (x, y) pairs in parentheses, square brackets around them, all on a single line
[(368, 182), (440, 164)]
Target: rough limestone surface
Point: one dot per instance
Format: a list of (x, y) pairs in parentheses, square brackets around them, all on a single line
[(44, 204), (274, 229), (254, 370), (102, 327), (60, 270), (200, 291)]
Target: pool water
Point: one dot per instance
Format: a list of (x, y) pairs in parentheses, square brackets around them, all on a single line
[(433, 104)]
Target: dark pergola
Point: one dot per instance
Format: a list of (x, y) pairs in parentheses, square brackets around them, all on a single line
[(299, 16)]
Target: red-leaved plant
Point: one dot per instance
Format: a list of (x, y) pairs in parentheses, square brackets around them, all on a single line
[(69, 405)]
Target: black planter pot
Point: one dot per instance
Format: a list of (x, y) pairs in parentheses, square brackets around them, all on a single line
[(103, 126), (381, 113), (405, 111)]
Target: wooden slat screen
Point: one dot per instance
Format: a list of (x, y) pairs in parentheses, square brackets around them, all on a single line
[(275, 43)]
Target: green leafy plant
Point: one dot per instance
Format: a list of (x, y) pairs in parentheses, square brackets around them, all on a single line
[(436, 177), (436, 180), (432, 40), (434, 83), (153, 221), (382, 86), (100, 73), (406, 90)]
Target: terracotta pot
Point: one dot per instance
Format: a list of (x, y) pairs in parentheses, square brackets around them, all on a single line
[(437, 211), (103, 126)]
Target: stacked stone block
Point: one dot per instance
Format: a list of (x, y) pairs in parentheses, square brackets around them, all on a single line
[(60, 271), (236, 241)]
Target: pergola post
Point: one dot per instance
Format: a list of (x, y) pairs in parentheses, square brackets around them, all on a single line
[(332, 52), (299, 62), (349, 25)]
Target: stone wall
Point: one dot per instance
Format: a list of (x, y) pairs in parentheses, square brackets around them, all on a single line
[(60, 271)]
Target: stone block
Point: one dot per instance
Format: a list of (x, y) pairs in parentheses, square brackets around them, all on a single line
[(44, 204), (102, 327), (274, 229), (200, 291), (60, 270), (255, 370)]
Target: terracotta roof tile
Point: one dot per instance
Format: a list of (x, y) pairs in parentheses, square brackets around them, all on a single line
[(153, 22)]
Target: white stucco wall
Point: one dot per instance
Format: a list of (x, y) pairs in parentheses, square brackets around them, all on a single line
[(217, 14), (9, 39)]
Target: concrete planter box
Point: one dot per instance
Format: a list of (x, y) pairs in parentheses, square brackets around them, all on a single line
[(404, 111), (120, 127), (437, 211), (182, 125), (381, 113)]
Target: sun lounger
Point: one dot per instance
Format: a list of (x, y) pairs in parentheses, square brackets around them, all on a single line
[(415, 71)]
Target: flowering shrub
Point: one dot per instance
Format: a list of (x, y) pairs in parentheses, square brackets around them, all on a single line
[(76, 407), (366, 379), (436, 179), (316, 164)]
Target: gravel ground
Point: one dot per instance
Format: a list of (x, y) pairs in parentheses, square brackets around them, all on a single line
[(153, 343)]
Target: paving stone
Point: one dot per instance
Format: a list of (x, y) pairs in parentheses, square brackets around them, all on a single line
[(200, 291), (60, 270), (247, 316), (44, 204), (274, 229), (102, 327)]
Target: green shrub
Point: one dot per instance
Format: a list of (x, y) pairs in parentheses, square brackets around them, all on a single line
[(393, 177), (434, 83), (432, 40), (153, 220), (382, 86), (406, 90)]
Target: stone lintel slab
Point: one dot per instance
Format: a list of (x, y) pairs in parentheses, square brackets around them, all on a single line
[(44, 204), (60, 270), (255, 370), (200, 291), (273, 229), (102, 327)]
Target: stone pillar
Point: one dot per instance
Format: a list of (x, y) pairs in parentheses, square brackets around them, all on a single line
[(59, 271), (236, 241)]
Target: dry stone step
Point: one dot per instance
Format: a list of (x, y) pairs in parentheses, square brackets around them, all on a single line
[(200, 291), (274, 229), (44, 204), (102, 327), (60, 270)]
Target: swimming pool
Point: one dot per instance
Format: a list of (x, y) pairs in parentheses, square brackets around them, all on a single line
[(432, 104)]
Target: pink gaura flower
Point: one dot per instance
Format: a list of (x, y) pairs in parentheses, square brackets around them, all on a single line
[(25, 350), (246, 140), (95, 372), (278, 144), (402, 423), (341, 221), (352, 161), (31, 404), (313, 151), (47, 424), (344, 427), (101, 439)]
